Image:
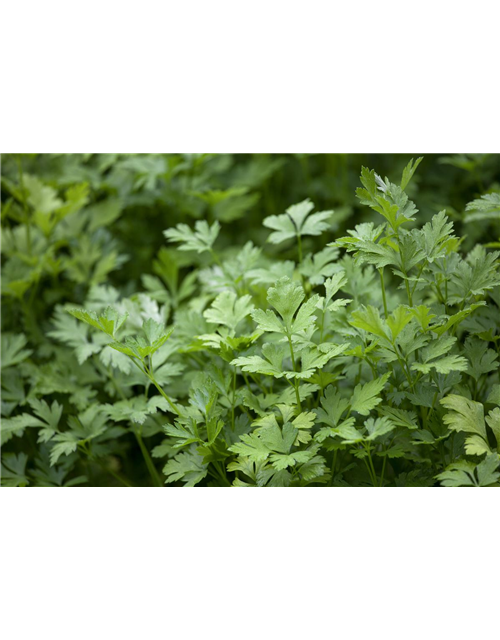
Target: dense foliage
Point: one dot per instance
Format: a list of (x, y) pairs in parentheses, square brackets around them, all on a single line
[(237, 320)]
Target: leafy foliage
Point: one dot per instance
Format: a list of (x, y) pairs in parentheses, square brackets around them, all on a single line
[(193, 320)]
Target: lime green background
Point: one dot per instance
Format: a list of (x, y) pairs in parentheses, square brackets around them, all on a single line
[(364, 567)]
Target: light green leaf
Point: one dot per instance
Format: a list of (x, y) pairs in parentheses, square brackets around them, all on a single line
[(200, 240), (365, 397), (398, 320), (229, 310), (368, 318), (465, 415)]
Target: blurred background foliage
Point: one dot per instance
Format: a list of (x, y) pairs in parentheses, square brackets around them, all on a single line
[(99, 217)]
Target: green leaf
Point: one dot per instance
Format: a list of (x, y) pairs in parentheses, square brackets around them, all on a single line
[(89, 424), (315, 358), (297, 222), (365, 397), (481, 359), (455, 319), (75, 334), (494, 395), (279, 440), (475, 275), (398, 320), (13, 470), (109, 321), (135, 409), (200, 240), (459, 474), (49, 416), (305, 318), (368, 318), (435, 235), (187, 466), (493, 421), (378, 427), (229, 310), (332, 407), (41, 197), (487, 207), (423, 316), (408, 172), (333, 285), (286, 297), (140, 347), (15, 426), (442, 365), (466, 415), (268, 321), (487, 471), (318, 266), (271, 366), (252, 447), (12, 349)]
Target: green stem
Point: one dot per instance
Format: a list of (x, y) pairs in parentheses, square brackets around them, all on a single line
[(172, 405), (322, 325), (408, 292), (155, 477), (116, 475), (418, 277), (334, 464), (233, 399), (25, 205), (222, 472), (372, 479), (299, 248), (402, 365), (381, 273), (372, 467), (296, 381), (383, 472)]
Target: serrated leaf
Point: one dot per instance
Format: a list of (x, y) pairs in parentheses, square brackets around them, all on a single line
[(493, 421), (368, 318), (187, 466), (365, 397), (398, 320), (465, 415), (297, 222), (12, 349), (229, 310), (199, 240)]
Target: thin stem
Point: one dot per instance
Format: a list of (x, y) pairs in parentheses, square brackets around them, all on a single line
[(408, 292), (296, 381), (322, 325), (334, 464), (116, 475), (372, 467), (401, 364), (149, 463), (233, 399), (222, 472), (299, 248), (381, 273), (418, 277), (372, 479), (383, 471), (25, 205), (148, 374)]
